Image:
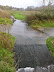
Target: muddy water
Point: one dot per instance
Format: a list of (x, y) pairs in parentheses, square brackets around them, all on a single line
[(30, 47)]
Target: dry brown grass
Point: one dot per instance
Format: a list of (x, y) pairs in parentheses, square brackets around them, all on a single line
[(4, 14)]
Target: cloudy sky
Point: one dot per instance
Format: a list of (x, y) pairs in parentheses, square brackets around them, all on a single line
[(21, 3)]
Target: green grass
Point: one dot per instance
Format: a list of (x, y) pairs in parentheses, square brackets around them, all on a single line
[(19, 15), (50, 44), (3, 41), (6, 52), (5, 67), (7, 42), (5, 17), (42, 24), (5, 21)]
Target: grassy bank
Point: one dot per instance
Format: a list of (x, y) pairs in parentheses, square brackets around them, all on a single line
[(35, 19), (50, 44), (41, 20), (5, 17), (6, 52), (5, 21), (7, 42), (42, 24)]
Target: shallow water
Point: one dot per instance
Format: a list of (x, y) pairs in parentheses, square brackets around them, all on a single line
[(31, 45)]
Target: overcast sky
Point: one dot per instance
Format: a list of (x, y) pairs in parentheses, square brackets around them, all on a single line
[(21, 3)]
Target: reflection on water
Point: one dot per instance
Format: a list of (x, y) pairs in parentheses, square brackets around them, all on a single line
[(31, 44)]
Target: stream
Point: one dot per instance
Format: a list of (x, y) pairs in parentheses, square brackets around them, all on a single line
[(30, 48)]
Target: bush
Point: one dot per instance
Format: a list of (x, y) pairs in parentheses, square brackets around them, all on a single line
[(40, 19), (30, 19)]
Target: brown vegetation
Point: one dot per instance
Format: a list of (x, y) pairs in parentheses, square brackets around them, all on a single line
[(4, 14)]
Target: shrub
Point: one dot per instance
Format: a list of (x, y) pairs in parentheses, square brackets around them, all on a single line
[(40, 18), (30, 19)]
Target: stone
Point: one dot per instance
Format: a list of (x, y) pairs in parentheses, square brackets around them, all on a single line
[(21, 70), (44, 69), (51, 68), (39, 69), (29, 69)]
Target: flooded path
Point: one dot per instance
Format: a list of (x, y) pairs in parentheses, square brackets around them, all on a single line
[(31, 45)]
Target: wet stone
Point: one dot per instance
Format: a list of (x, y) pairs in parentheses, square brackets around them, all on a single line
[(51, 68), (29, 69), (44, 70), (21, 70), (39, 69)]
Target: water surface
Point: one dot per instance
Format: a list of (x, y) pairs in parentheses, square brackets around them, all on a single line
[(31, 45)]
